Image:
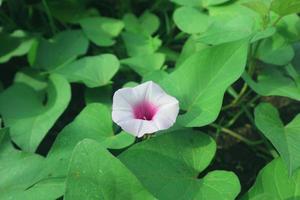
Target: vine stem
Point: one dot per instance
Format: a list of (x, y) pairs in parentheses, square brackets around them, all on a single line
[(277, 20), (50, 18), (236, 135)]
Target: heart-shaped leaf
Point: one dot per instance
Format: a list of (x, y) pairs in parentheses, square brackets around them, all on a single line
[(23, 110), (145, 64), (190, 20), (286, 138), (274, 81), (285, 7), (96, 174), (101, 30), (94, 122), (168, 166), (93, 71), (202, 79), (273, 182), (61, 49)]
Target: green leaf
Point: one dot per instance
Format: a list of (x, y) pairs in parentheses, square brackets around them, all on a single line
[(273, 182), (18, 170), (258, 6), (284, 138), (145, 64), (29, 119), (207, 3), (20, 174), (101, 30), (191, 20), (274, 81), (48, 189), (15, 44), (275, 50), (94, 122), (224, 30), (289, 28), (93, 71), (196, 3), (191, 46), (210, 72), (61, 49), (96, 174), (146, 24), (285, 7), (139, 44), (168, 166), (99, 95)]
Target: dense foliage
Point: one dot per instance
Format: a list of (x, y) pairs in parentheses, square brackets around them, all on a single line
[(233, 65)]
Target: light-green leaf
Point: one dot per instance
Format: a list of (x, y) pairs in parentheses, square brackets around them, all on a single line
[(274, 81), (273, 182), (93, 71), (145, 64), (96, 174), (168, 166), (285, 138), (207, 3), (94, 122), (202, 79), (191, 20), (196, 3), (146, 24), (29, 119), (101, 30), (285, 7), (275, 50), (61, 49)]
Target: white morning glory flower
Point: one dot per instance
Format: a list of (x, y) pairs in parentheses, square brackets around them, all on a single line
[(144, 109)]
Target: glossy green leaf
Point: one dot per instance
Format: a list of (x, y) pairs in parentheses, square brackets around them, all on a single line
[(273, 182), (15, 44), (168, 166), (202, 79), (285, 138), (94, 122), (190, 20), (23, 110), (101, 30), (96, 174), (59, 50), (273, 81), (145, 64), (285, 7), (93, 71)]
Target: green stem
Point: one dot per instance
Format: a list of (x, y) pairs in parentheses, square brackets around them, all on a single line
[(50, 18), (236, 135), (277, 20)]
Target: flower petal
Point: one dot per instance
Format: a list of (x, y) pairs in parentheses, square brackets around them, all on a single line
[(138, 127)]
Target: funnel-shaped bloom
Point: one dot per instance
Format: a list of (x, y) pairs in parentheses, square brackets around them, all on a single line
[(144, 109)]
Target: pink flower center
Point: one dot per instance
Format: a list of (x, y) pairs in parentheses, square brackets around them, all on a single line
[(144, 110)]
